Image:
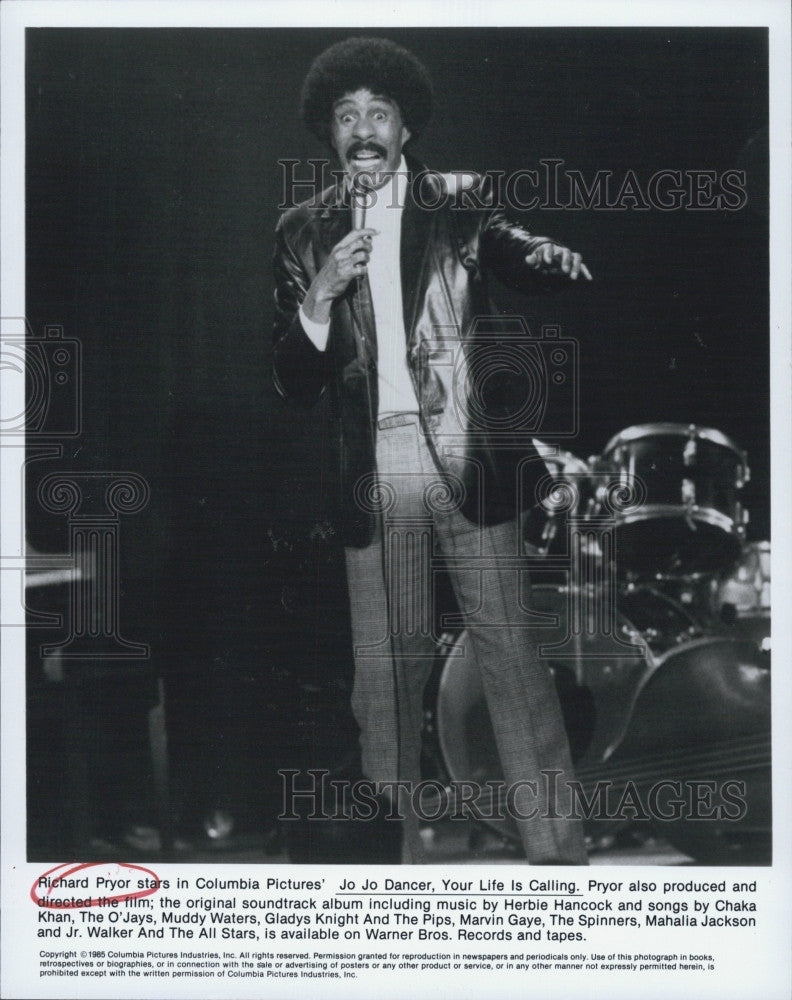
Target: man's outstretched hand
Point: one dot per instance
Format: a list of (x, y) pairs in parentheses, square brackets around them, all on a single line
[(550, 258)]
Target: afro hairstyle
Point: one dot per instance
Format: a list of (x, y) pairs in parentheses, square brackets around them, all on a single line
[(377, 64)]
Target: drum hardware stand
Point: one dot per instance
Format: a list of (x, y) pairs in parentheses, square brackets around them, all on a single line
[(591, 595), (689, 500), (691, 448)]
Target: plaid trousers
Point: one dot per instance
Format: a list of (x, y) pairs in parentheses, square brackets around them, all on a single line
[(391, 609)]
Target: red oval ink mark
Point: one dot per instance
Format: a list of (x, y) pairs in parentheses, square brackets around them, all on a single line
[(79, 903)]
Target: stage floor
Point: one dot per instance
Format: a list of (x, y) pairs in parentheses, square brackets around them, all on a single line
[(447, 843)]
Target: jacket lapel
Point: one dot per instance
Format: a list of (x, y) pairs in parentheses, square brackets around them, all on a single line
[(415, 242), (335, 222)]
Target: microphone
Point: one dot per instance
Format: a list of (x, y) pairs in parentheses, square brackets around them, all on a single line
[(359, 211), (362, 187)]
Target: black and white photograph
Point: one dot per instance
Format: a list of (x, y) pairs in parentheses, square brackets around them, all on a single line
[(395, 484)]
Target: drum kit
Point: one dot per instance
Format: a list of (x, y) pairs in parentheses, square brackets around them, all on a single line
[(658, 635)]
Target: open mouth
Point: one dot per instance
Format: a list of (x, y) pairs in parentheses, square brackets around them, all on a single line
[(366, 158)]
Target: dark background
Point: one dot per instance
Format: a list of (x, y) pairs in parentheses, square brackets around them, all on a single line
[(152, 193)]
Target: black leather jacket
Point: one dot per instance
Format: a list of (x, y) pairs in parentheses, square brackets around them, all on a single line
[(477, 380)]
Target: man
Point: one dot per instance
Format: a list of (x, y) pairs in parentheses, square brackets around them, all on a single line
[(383, 315)]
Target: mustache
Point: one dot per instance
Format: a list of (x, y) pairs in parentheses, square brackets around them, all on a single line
[(366, 147)]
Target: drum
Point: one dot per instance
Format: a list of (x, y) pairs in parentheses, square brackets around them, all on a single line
[(595, 674), (684, 705), (673, 492), (566, 490), (743, 598)]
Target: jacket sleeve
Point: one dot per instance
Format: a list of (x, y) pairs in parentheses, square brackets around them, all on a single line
[(503, 247), (299, 368), (500, 246)]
